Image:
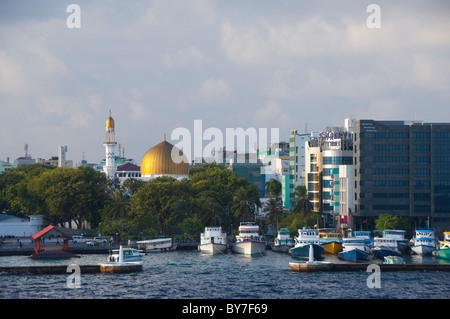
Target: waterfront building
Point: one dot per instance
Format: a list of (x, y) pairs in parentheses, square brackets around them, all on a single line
[(127, 170), (54, 161), (20, 227), (296, 160), (328, 159), (402, 168), (4, 166)]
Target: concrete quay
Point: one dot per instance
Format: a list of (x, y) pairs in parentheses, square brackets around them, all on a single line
[(324, 266)]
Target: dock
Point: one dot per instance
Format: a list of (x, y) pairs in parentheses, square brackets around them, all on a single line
[(319, 266)]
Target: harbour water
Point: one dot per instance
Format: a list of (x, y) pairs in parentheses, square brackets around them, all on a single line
[(194, 275)]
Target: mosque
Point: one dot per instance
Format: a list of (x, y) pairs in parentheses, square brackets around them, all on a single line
[(156, 162)]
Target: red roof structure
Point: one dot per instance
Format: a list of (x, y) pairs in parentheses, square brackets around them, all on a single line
[(52, 253)]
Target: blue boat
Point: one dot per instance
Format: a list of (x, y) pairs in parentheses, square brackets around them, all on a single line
[(383, 247), (355, 249), (306, 237)]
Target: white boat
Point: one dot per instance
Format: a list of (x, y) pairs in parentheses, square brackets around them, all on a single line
[(424, 242), (156, 245), (307, 237), (129, 254), (120, 265), (283, 242), (399, 236), (213, 241), (248, 242)]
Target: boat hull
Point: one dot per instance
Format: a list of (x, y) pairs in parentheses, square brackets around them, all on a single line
[(332, 247), (303, 251), (424, 250), (442, 253), (283, 248), (249, 247), (381, 252), (354, 255), (212, 248)]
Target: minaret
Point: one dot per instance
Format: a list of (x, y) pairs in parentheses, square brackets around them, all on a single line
[(110, 147)]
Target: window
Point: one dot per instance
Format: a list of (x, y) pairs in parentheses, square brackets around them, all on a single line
[(338, 160), (390, 207), (421, 172), (390, 135), (422, 197), (390, 147), (421, 148), (390, 195), (421, 136), (391, 159), (421, 184), (422, 160)]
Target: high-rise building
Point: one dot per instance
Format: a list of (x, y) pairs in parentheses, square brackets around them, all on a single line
[(296, 160), (402, 168), (328, 159)]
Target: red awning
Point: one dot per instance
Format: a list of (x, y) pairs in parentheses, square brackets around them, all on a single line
[(42, 232)]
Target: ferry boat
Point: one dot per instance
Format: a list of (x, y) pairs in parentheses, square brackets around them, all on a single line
[(424, 242), (213, 241), (156, 245), (129, 254), (283, 242), (248, 242), (331, 242), (444, 247), (355, 249), (306, 237)]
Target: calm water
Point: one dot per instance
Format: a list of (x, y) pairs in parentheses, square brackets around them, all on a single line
[(193, 275)]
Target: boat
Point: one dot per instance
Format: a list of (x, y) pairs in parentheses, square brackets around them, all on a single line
[(129, 254), (424, 242), (387, 245), (248, 242), (444, 247), (399, 236), (331, 242), (306, 237), (355, 249), (156, 245), (213, 241), (283, 242), (120, 265)]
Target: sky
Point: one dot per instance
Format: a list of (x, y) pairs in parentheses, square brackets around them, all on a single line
[(160, 65)]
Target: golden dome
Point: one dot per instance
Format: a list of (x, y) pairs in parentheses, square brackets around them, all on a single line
[(158, 161), (109, 121)]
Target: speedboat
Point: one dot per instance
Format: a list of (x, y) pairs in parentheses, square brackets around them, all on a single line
[(307, 237), (248, 242), (283, 242), (213, 241), (129, 254), (424, 242)]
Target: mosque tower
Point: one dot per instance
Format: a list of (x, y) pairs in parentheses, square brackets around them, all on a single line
[(110, 147)]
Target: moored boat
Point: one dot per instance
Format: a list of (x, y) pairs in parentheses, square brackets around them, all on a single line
[(283, 242), (213, 241), (306, 237), (331, 242), (129, 254), (444, 247), (424, 242), (355, 249), (383, 247), (248, 242), (156, 245)]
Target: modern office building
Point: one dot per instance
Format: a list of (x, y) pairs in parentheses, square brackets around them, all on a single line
[(329, 157), (402, 168)]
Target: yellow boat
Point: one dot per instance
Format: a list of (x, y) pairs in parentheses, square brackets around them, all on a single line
[(331, 242)]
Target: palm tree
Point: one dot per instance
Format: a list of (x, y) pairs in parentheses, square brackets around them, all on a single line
[(273, 187), (273, 209), (302, 203), (243, 206), (118, 206)]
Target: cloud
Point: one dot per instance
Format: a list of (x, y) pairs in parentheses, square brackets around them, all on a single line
[(188, 57), (212, 90)]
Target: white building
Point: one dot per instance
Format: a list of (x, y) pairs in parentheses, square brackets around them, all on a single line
[(110, 148), (16, 226)]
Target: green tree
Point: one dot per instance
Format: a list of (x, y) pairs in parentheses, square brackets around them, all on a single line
[(191, 226), (245, 202), (301, 200), (274, 188), (274, 210)]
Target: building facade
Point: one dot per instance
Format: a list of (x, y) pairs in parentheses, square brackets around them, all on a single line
[(296, 160), (402, 168)]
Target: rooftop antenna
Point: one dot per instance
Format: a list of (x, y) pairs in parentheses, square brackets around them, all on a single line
[(26, 150)]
